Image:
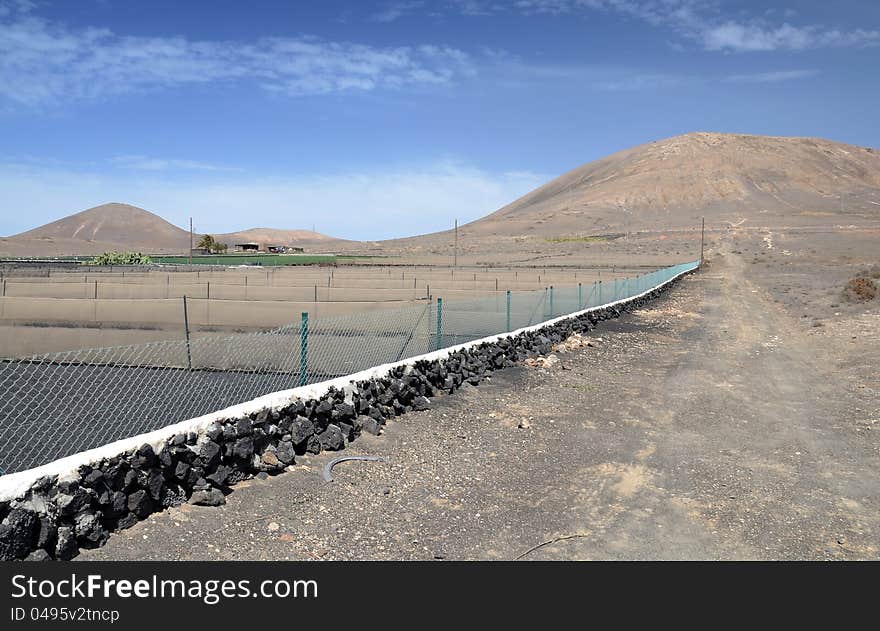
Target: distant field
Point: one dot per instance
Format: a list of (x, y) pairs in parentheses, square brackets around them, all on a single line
[(257, 259), (223, 259)]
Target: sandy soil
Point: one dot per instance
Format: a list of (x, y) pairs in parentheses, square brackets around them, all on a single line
[(717, 423)]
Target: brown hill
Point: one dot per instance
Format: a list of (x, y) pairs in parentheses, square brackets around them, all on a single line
[(114, 223), (274, 237), (109, 226), (117, 226), (672, 182)]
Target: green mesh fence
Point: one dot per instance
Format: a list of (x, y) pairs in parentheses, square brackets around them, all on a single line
[(59, 404)]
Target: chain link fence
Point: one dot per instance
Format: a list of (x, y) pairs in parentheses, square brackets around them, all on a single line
[(59, 404)]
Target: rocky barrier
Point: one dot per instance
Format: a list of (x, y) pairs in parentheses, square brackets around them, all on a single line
[(57, 515)]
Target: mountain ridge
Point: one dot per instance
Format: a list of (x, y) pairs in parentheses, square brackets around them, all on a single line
[(121, 226), (665, 184)]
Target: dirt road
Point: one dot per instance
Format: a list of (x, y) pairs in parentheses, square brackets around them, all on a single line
[(712, 424)]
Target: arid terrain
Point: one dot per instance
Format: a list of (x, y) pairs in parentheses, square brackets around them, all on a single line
[(720, 422), (657, 192), (655, 196), (735, 417)]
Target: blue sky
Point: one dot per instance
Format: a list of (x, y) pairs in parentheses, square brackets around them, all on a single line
[(375, 120)]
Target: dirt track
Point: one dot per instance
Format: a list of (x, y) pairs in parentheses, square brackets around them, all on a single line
[(714, 424)]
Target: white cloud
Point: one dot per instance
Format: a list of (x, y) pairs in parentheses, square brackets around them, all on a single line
[(772, 77), (395, 10), (7, 7), (702, 21), (512, 71), (147, 163), (740, 37), (45, 62), (642, 82), (392, 202)]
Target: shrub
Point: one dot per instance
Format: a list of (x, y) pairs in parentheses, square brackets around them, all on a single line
[(120, 258), (860, 289)]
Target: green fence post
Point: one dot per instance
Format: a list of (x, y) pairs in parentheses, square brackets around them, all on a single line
[(580, 297), (189, 362), (508, 310), (304, 349), (439, 322)]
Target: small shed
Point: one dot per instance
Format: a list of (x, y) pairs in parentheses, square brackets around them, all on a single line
[(247, 247)]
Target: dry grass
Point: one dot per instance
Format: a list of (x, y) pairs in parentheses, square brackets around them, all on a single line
[(860, 289)]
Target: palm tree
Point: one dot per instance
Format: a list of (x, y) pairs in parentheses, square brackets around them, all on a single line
[(207, 243)]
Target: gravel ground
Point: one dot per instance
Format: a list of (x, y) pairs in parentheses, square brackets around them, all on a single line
[(711, 425)]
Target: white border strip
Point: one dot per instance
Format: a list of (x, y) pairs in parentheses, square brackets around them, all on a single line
[(14, 485)]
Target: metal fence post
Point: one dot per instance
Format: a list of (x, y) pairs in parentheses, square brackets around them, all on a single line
[(600, 292), (551, 301), (508, 310), (189, 363), (580, 296), (439, 322), (304, 349)]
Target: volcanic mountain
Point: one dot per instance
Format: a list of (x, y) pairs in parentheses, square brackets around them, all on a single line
[(672, 183)]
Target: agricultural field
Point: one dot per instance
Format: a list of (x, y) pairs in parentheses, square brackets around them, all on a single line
[(260, 259), (47, 310), (267, 260)]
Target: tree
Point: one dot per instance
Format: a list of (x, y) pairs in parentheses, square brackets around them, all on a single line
[(210, 244), (207, 243)]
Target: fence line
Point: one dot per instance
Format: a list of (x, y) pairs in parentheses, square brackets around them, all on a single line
[(58, 404)]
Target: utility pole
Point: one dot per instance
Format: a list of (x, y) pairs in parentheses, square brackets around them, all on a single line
[(702, 239), (455, 251), (190, 240)]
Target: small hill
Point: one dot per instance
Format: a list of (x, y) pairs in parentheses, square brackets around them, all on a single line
[(109, 226), (274, 237), (117, 226)]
